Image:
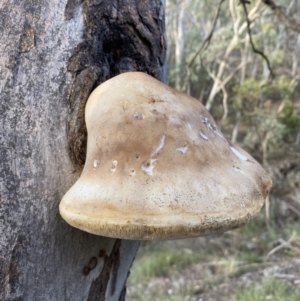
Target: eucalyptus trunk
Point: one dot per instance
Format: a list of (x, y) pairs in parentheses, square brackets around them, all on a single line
[(52, 55), (179, 42)]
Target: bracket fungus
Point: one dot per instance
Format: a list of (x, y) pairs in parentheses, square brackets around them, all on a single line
[(157, 167)]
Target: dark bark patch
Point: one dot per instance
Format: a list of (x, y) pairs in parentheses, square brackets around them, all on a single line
[(110, 268), (83, 85), (91, 265), (17, 259), (102, 253), (114, 271), (71, 7), (119, 36), (27, 40), (123, 294)]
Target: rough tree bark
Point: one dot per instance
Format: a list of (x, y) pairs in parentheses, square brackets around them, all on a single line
[(52, 55)]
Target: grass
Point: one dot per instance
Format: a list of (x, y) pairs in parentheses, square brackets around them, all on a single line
[(157, 259), (259, 230), (161, 263), (270, 289), (161, 295), (264, 236)]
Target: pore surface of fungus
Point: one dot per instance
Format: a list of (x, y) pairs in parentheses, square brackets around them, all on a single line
[(158, 167)]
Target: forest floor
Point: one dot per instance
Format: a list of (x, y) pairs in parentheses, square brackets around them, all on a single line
[(258, 262)]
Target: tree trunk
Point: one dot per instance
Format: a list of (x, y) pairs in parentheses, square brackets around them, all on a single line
[(179, 42), (52, 55)]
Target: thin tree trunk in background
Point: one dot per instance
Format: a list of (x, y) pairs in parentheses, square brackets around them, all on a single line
[(296, 61), (296, 53), (244, 59), (202, 92), (52, 55), (266, 71), (254, 67), (236, 127), (179, 42)]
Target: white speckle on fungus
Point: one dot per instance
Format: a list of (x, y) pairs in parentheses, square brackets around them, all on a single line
[(114, 166), (219, 134), (148, 169), (203, 136), (182, 149), (160, 146), (138, 115), (188, 125), (237, 169), (238, 154), (95, 164)]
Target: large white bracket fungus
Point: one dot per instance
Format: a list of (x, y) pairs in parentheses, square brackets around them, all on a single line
[(163, 169)]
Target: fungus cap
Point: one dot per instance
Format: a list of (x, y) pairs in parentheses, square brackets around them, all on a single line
[(157, 167)]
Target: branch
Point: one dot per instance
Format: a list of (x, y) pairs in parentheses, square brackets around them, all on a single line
[(206, 42), (244, 2), (231, 74), (224, 91), (203, 47), (221, 84), (281, 16), (283, 244)]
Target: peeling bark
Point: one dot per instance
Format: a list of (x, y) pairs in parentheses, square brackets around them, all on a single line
[(52, 55)]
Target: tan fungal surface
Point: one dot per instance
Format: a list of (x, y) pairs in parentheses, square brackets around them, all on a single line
[(158, 167)]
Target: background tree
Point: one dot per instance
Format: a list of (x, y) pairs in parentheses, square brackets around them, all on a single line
[(231, 79), (53, 54)]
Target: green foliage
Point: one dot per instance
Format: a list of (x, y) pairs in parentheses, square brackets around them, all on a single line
[(265, 129), (251, 93), (269, 27), (287, 114), (246, 95), (280, 89), (162, 295), (254, 228), (269, 289), (278, 57)]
